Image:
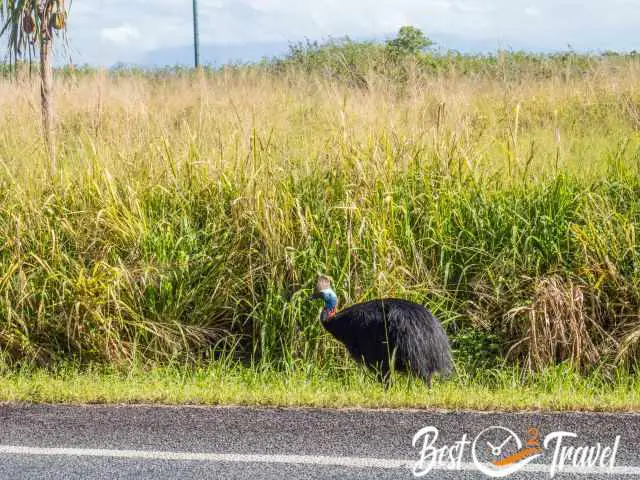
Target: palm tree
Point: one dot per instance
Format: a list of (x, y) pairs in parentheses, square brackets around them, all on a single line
[(29, 26)]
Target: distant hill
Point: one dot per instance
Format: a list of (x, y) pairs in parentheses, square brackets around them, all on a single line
[(215, 54), (221, 54)]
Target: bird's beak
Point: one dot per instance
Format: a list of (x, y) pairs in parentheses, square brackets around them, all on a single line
[(315, 296)]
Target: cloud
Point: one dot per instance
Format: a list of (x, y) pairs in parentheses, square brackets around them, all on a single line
[(122, 35)]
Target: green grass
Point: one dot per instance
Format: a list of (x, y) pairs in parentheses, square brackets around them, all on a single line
[(555, 389)]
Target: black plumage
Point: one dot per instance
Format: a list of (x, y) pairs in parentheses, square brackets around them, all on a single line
[(392, 332)]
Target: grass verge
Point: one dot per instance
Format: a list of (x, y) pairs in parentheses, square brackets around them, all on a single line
[(559, 388)]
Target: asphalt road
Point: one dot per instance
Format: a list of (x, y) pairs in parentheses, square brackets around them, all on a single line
[(151, 442)]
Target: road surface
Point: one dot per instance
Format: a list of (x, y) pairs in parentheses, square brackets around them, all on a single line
[(156, 442)]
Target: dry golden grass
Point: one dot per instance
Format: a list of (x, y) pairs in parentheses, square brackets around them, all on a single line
[(303, 122)]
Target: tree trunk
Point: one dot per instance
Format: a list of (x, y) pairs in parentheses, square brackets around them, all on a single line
[(46, 92)]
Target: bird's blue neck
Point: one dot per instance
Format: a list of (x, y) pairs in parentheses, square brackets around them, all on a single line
[(330, 299)]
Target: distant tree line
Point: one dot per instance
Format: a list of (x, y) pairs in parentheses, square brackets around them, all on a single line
[(352, 61)]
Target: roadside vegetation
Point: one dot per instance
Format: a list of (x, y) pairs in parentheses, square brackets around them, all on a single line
[(219, 383), (191, 211)]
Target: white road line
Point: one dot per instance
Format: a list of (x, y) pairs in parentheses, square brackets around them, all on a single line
[(212, 457), (321, 460)]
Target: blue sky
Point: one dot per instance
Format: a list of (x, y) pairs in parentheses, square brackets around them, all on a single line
[(103, 32)]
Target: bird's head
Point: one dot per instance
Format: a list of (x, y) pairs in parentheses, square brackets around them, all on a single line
[(324, 291)]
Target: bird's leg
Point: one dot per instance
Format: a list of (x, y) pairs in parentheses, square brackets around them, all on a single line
[(429, 375)]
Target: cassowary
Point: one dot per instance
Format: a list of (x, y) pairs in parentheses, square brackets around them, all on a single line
[(388, 332)]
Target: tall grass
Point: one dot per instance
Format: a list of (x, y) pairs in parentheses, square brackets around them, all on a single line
[(191, 213)]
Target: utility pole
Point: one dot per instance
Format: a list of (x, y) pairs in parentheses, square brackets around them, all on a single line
[(196, 36)]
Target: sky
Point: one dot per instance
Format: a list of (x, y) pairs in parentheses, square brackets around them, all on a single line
[(159, 32)]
